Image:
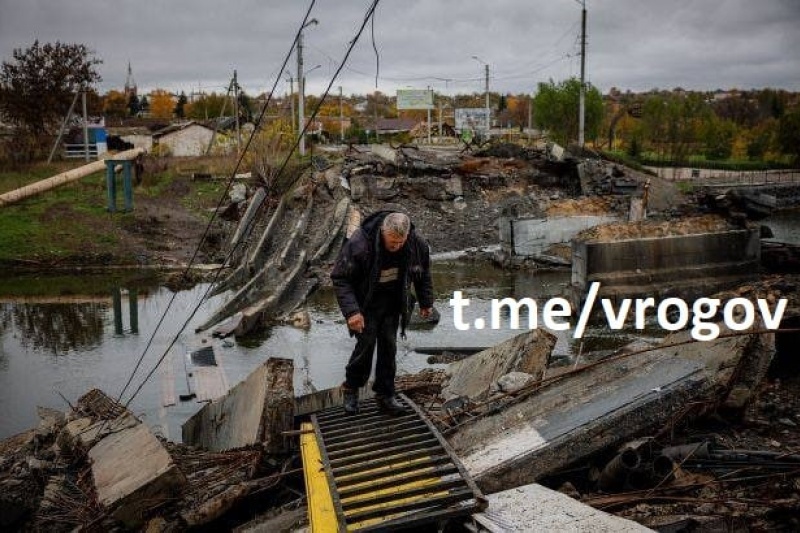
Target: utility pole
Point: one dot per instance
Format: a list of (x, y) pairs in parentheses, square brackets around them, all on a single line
[(430, 94), (440, 120), (85, 125), (582, 103), (301, 88), (63, 127), (300, 110), (291, 101), (486, 74), (236, 113), (341, 116), (488, 121), (375, 114)]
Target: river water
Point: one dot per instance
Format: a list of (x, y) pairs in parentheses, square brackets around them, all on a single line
[(61, 337), (64, 341)]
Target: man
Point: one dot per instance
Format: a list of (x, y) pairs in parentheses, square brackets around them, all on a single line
[(372, 278)]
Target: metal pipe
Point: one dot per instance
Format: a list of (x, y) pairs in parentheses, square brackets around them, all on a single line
[(615, 474)]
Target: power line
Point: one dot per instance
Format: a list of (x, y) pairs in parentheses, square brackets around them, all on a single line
[(368, 16), (202, 239)]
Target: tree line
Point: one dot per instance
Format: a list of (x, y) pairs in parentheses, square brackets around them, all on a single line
[(38, 85)]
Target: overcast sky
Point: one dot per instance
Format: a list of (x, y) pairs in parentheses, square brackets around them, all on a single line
[(193, 45)]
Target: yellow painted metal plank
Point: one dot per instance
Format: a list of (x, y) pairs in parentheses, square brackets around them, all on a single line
[(366, 523), (394, 477), (399, 501), (366, 496), (383, 469), (321, 512)]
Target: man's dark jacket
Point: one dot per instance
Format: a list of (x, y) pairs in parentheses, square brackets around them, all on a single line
[(357, 269)]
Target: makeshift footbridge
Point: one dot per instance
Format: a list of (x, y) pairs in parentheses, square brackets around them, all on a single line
[(376, 472)]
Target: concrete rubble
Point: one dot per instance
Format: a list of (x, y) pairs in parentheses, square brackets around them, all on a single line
[(474, 376), (116, 474), (596, 430), (511, 510), (552, 424), (285, 258), (257, 410), (129, 488)]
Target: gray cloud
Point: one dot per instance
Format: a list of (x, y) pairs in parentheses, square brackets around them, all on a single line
[(632, 44)]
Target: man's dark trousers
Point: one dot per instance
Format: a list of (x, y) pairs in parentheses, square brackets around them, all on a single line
[(381, 323)]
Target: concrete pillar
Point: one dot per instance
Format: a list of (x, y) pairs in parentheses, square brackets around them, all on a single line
[(111, 186)]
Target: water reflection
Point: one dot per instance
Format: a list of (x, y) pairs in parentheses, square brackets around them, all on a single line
[(56, 328)]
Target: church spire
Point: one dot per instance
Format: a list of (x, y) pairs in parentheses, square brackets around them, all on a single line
[(130, 83)]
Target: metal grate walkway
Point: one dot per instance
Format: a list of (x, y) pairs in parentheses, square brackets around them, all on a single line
[(372, 471)]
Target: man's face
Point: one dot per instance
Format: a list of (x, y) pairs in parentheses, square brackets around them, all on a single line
[(393, 242)]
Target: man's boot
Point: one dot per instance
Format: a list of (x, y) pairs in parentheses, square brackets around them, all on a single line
[(390, 406), (350, 400)]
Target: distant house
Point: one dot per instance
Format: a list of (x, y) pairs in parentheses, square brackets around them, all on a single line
[(137, 137), (388, 126), (186, 139)]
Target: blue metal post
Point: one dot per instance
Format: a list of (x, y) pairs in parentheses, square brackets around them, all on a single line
[(126, 179), (111, 186)]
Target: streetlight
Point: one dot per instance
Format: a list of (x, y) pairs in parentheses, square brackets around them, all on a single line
[(315, 67), (301, 86), (290, 79), (486, 70)]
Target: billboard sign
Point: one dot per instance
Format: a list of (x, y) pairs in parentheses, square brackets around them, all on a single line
[(472, 118), (414, 99)]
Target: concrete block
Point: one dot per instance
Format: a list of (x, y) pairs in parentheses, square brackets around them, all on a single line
[(133, 473), (537, 508), (605, 405), (532, 236), (71, 433), (472, 377), (675, 265), (248, 413), (385, 152), (453, 187)]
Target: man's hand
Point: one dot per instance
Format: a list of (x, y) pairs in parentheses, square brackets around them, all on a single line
[(425, 313), (356, 322)]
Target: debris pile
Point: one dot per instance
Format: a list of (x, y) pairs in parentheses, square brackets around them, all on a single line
[(694, 432), (649, 229), (98, 467)]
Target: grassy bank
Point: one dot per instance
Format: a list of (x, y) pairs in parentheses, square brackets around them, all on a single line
[(71, 224)]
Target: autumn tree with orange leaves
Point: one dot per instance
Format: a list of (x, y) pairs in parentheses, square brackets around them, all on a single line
[(115, 104), (162, 104)]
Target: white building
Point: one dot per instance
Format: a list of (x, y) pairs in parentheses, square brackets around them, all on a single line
[(189, 139)]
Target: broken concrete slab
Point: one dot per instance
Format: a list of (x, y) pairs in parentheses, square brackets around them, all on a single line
[(257, 410), (684, 265), (533, 236), (605, 404), (133, 473), (537, 508), (68, 437), (474, 376), (385, 152)]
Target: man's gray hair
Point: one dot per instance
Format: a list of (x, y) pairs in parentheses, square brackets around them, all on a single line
[(397, 224)]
